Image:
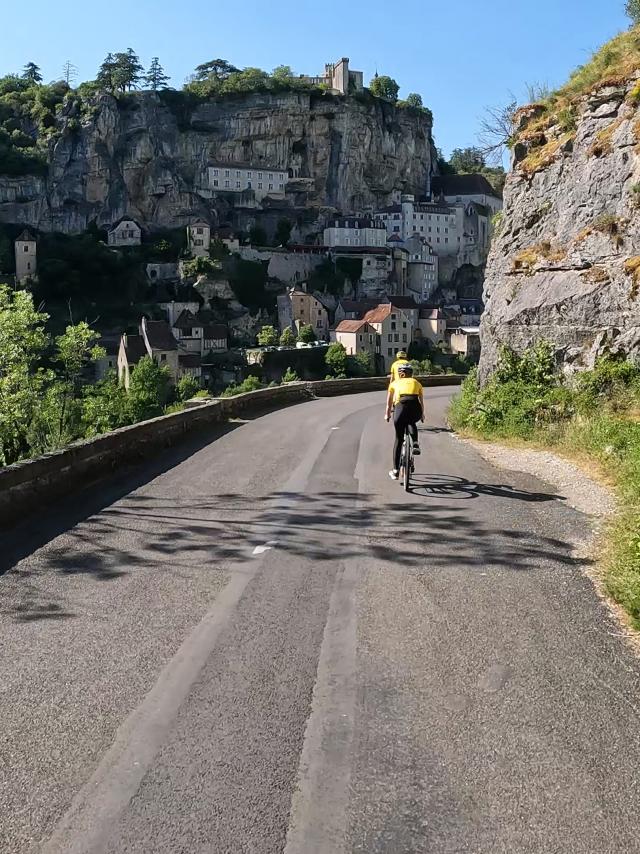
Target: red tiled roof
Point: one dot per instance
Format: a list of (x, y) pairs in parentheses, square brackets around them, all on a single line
[(378, 314), (351, 325)]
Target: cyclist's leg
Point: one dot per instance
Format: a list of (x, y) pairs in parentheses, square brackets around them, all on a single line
[(399, 423)]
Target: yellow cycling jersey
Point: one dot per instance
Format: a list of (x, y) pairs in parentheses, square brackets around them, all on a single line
[(405, 387), (394, 368)]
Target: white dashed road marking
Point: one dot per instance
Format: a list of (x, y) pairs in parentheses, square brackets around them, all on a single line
[(259, 550)]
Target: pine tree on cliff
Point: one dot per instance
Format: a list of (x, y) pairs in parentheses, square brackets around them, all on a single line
[(127, 71), (216, 69), (155, 77), (106, 73), (31, 73)]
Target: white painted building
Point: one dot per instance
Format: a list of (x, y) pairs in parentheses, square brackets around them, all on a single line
[(438, 223), (242, 177), (199, 237), (25, 247), (422, 265), (355, 231), (127, 232)]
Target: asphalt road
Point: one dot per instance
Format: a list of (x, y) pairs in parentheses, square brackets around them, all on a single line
[(262, 644)]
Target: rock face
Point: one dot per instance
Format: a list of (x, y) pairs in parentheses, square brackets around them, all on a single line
[(146, 156), (563, 265)]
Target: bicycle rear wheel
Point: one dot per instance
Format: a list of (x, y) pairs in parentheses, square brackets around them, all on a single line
[(408, 460)]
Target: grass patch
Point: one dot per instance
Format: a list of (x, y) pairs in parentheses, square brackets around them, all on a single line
[(592, 418), (526, 260), (597, 275), (632, 269), (541, 156), (603, 143)]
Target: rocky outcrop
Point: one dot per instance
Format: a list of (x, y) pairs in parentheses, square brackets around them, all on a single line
[(146, 154), (564, 263)]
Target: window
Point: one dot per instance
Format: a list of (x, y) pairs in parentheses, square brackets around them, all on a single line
[(396, 337), (259, 176), (390, 351), (197, 242), (393, 317), (271, 176), (360, 338), (163, 357), (446, 240), (215, 171), (248, 185), (281, 186), (237, 173), (226, 173), (248, 174), (215, 183), (389, 338), (271, 186), (422, 228), (259, 185), (226, 183), (446, 231), (393, 325), (396, 228), (198, 231), (404, 324), (26, 248), (237, 185)]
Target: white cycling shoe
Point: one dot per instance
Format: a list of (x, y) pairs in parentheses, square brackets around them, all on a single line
[(394, 475)]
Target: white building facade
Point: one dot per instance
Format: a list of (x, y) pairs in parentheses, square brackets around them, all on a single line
[(355, 231), (241, 177), (127, 232), (438, 223), (199, 237), (25, 248)]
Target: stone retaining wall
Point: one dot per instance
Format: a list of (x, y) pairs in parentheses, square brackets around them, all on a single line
[(27, 485)]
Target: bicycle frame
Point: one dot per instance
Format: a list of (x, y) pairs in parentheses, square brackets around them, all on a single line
[(406, 459)]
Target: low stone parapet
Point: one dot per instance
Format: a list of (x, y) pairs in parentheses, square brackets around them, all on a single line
[(29, 485)]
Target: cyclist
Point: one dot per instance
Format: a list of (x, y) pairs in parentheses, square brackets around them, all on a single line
[(405, 396), (401, 359)]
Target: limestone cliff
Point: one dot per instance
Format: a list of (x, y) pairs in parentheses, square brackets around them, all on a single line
[(146, 155), (563, 264)]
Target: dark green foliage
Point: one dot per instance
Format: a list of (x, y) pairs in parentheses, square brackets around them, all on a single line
[(248, 280), (306, 334), (288, 337), (283, 232), (149, 390), (257, 235), (330, 278), (290, 376), (250, 384), (187, 387), (155, 78), (267, 337), (360, 365), (384, 87), (467, 160), (31, 73), (632, 8), (336, 359), (104, 407)]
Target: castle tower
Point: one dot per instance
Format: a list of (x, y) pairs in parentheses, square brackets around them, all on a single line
[(26, 260)]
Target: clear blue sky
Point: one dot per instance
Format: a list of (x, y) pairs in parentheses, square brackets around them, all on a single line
[(461, 56)]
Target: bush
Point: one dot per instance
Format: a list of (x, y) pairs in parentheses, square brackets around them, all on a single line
[(250, 384), (187, 388), (360, 365), (290, 376), (287, 338), (336, 359), (306, 335), (267, 337)]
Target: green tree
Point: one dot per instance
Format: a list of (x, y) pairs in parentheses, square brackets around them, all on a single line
[(247, 80), (267, 337), (336, 359), (288, 337), (106, 73), (31, 73), (155, 77), (148, 390), (467, 160), (257, 235), (127, 71), (306, 335), (59, 416), (104, 407), (415, 100), (384, 87), (216, 69), (632, 8), (283, 73), (360, 365), (187, 387), (283, 232), (22, 343)]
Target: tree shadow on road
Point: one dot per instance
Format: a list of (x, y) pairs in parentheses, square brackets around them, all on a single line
[(156, 534)]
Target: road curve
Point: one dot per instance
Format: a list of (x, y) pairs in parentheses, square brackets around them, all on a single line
[(262, 644)]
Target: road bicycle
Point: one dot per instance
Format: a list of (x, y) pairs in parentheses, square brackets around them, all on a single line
[(407, 466)]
